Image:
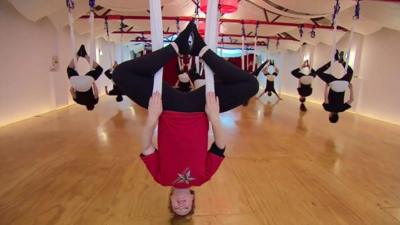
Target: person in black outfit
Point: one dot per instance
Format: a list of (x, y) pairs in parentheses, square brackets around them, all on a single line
[(135, 77), (184, 83), (270, 85), (305, 74), (115, 91), (255, 73), (83, 88), (335, 89)]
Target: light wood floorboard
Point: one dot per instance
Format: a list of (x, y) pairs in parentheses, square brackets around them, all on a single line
[(283, 167)]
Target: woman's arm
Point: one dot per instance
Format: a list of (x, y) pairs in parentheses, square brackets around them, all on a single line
[(215, 155), (147, 137), (323, 68), (95, 90), (326, 93), (276, 70), (191, 84), (72, 91), (72, 64), (349, 69), (260, 68), (296, 73), (155, 109), (176, 84), (212, 110), (218, 134), (149, 154), (351, 95)]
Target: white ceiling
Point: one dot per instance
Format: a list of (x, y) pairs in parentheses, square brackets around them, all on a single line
[(374, 16)]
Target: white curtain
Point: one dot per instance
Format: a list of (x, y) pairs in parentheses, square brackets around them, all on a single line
[(156, 28), (211, 39), (72, 35), (349, 45), (92, 50), (255, 53), (242, 55)]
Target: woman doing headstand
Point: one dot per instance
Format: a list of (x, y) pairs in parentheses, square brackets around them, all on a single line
[(182, 159), (306, 75), (270, 76)]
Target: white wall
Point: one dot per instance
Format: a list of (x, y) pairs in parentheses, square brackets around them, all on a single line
[(125, 55), (126, 50), (376, 73), (380, 76), (28, 87), (24, 74)]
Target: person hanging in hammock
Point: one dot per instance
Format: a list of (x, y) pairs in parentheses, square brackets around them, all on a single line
[(182, 159), (306, 75), (255, 74), (197, 78), (184, 83), (115, 91), (271, 72), (335, 88), (83, 88)]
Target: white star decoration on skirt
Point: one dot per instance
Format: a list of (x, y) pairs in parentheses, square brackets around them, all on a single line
[(184, 177)]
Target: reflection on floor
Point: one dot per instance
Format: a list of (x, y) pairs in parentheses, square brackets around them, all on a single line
[(282, 167)]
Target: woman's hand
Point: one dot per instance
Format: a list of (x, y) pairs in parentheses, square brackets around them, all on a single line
[(155, 107), (212, 107)]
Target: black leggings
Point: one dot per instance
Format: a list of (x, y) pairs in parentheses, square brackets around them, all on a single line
[(135, 79), (258, 70)]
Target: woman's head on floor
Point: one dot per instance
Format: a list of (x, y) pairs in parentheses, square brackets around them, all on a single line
[(89, 107), (333, 117), (182, 202)]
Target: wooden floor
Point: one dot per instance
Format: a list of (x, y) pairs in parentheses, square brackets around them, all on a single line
[(282, 168)]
